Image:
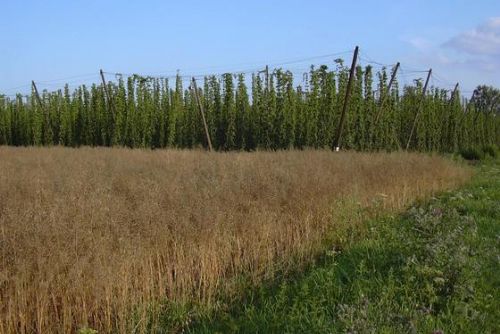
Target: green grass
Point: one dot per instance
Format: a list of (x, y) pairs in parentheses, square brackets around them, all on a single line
[(434, 269)]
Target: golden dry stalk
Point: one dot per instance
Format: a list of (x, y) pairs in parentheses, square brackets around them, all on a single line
[(88, 236)]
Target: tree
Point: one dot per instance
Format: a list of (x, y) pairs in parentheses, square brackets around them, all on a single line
[(486, 99)]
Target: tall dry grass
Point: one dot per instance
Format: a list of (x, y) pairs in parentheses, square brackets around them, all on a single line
[(98, 237)]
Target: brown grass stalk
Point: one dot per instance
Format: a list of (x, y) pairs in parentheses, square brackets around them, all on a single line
[(100, 237)]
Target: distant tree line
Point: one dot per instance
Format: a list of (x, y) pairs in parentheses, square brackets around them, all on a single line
[(270, 112)]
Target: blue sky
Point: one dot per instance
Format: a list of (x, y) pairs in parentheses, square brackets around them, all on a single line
[(49, 40)]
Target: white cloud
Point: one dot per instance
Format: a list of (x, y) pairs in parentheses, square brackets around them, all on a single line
[(483, 40), (471, 57), (420, 43)]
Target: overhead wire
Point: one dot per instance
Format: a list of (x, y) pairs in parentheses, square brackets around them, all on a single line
[(17, 87), (69, 78), (254, 68), (405, 73), (364, 56), (259, 64)]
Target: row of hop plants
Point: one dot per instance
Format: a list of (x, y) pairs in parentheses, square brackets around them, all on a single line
[(270, 112)]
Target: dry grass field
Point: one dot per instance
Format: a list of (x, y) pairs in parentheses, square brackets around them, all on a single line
[(100, 237)]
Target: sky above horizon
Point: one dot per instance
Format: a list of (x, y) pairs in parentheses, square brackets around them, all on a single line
[(57, 41)]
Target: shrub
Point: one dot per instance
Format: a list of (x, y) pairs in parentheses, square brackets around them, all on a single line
[(471, 153), (490, 150)]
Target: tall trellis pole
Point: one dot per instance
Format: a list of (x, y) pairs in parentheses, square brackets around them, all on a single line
[(419, 108), (336, 143)]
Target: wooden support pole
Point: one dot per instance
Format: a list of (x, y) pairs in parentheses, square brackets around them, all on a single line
[(194, 88), (455, 90), (44, 110), (265, 71), (384, 97), (336, 143), (419, 108), (37, 96), (108, 97), (267, 78)]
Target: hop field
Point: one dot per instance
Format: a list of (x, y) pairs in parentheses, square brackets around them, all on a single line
[(243, 112), (105, 238)]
